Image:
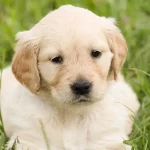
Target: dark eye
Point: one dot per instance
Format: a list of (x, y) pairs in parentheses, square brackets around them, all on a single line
[(96, 53), (58, 59)]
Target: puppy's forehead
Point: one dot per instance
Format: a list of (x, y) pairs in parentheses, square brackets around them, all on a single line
[(67, 15), (70, 25), (67, 19)]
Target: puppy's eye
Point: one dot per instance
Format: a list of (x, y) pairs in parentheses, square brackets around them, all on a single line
[(58, 59), (96, 53)]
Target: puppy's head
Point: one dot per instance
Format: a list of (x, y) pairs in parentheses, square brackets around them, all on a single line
[(69, 55)]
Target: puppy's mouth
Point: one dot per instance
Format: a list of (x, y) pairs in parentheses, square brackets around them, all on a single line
[(82, 99)]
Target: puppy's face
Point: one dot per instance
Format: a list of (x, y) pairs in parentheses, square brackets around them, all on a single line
[(70, 54), (75, 67)]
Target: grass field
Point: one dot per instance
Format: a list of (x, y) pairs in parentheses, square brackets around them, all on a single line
[(133, 17)]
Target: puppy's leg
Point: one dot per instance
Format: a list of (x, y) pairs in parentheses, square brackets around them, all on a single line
[(120, 147), (22, 144), (114, 142), (22, 147)]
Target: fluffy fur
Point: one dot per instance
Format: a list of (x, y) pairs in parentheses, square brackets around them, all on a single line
[(36, 91)]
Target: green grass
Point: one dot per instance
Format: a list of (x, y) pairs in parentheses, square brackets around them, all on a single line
[(133, 17)]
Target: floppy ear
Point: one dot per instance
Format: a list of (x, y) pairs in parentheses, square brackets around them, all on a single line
[(118, 47), (24, 65)]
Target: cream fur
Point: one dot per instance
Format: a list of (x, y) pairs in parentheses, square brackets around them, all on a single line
[(39, 91)]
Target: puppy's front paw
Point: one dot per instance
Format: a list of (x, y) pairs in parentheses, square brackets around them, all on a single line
[(74, 147), (15, 144), (122, 147)]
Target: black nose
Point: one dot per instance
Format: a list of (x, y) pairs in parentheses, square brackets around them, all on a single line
[(81, 87)]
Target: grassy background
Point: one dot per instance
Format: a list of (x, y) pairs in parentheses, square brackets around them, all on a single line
[(133, 17)]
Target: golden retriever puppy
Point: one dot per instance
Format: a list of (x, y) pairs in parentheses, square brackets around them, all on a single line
[(64, 90)]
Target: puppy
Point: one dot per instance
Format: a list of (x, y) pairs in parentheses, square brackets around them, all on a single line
[(64, 90)]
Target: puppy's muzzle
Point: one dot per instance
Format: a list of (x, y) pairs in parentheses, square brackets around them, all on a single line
[(81, 87)]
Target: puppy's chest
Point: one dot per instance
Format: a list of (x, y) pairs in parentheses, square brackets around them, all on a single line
[(67, 132), (76, 133)]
